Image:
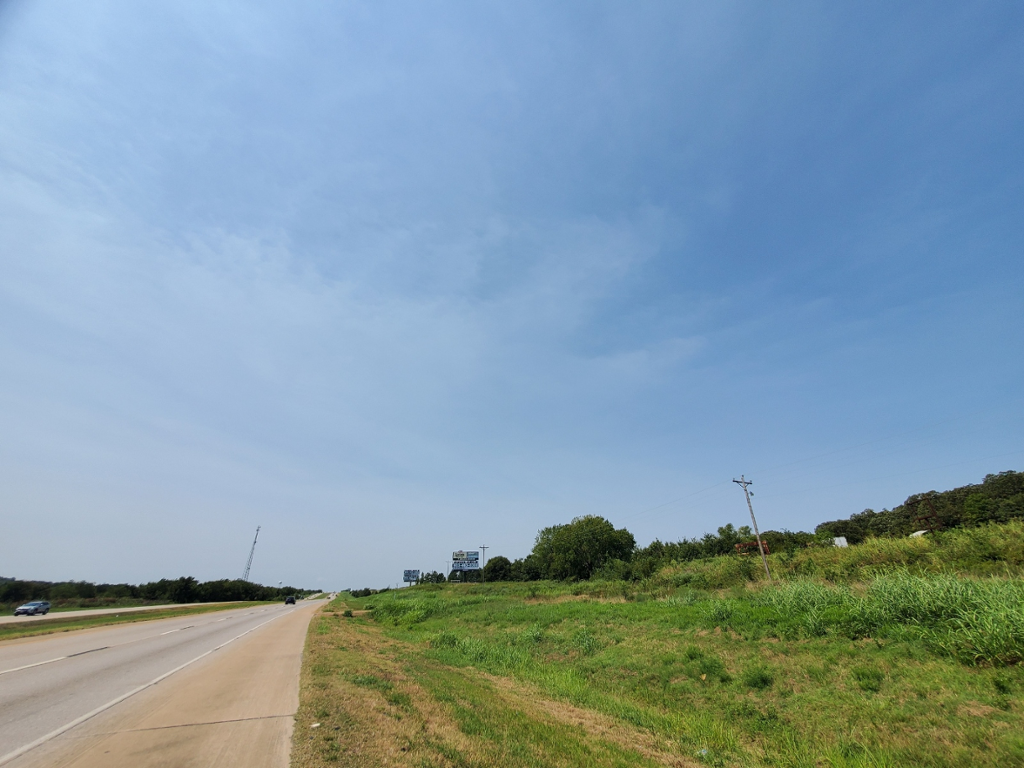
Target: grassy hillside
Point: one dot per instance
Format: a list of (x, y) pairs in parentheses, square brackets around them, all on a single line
[(986, 550), (897, 653), (998, 498)]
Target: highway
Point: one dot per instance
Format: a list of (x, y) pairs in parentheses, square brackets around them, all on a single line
[(215, 689), (98, 612)]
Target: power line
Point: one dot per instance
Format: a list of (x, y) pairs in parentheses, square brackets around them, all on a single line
[(681, 498), (826, 454), (897, 474), (871, 479)]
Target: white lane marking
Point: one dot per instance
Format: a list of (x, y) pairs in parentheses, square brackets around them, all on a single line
[(29, 666), (103, 708), (120, 645), (50, 661), (179, 629)]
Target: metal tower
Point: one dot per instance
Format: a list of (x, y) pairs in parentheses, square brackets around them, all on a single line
[(248, 563)]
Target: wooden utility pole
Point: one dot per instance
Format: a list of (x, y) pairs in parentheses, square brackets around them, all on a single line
[(764, 559)]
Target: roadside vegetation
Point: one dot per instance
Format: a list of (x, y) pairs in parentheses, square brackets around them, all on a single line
[(76, 595), (70, 622), (590, 547), (893, 652), (802, 674)]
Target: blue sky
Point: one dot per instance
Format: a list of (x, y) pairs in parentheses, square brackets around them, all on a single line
[(394, 279)]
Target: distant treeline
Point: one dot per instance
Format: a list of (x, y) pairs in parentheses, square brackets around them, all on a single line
[(591, 547), (183, 590), (998, 499)]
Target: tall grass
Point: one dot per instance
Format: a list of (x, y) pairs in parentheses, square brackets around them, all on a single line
[(977, 621), (901, 589), (974, 620), (996, 549)]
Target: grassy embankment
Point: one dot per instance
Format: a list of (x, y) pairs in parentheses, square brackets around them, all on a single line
[(69, 623), (893, 653)]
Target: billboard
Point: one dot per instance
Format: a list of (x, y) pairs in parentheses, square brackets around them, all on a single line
[(410, 576), (465, 561)]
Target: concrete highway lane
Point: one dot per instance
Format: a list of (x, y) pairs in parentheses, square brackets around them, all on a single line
[(212, 689), (93, 612)]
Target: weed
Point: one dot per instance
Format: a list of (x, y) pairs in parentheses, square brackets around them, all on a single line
[(532, 635), (718, 612), (868, 678), (372, 681), (585, 641), (1002, 685), (758, 677)]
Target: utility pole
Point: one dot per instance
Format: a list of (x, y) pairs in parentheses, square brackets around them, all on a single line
[(248, 564), (483, 578), (744, 483)]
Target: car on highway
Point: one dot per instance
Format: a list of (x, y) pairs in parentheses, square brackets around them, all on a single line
[(290, 600), (36, 608)]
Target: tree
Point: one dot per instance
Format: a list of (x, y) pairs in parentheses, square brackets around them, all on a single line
[(498, 568), (578, 549), (184, 590), (527, 569)]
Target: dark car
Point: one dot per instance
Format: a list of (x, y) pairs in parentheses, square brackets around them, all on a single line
[(37, 608), (290, 600)]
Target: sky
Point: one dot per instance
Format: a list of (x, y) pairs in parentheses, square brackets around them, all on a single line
[(395, 279)]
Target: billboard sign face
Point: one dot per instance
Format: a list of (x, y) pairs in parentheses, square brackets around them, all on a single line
[(411, 576), (465, 561)]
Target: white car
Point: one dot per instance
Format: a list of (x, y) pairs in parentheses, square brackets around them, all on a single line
[(37, 608)]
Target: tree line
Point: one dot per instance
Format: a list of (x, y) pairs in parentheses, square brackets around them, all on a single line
[(183, 590), (997, 499), (591, 547)]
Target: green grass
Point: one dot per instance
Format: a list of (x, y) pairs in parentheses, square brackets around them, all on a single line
[(986, 550), (891, 653), (70, 623), (905, 670), (367, 700)]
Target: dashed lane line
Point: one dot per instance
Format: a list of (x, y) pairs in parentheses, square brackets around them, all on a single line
[(50, 661), (103, 708), (103, 648)]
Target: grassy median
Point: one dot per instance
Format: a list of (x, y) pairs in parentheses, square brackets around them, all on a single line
[(901, 670), (68, 623)]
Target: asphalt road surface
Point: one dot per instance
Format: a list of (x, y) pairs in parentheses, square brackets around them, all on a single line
[(97, 612), (217, 689)]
